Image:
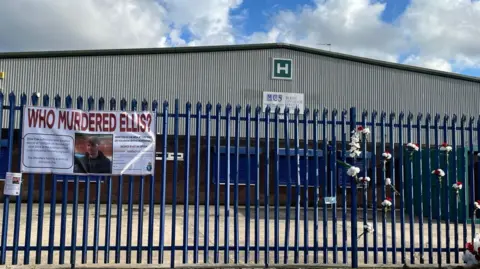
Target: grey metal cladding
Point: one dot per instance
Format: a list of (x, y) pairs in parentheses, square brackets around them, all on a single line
[(239, 77)]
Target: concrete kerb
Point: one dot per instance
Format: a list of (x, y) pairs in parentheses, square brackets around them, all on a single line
[(235, 266)]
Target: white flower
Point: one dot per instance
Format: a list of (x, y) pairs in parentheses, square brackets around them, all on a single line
[(366, 131), (354, 145), (353, 171), (469, 258), (364, 179), (477, 204), (355, 139), (476, 241), (355, 153), (368, 228), (386, 155), (457, 186), (413, 146), (445, 147), (387, 203), (388, 181), (438, 172)]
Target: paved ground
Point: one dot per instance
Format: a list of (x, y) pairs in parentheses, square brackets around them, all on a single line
[(201, 233)]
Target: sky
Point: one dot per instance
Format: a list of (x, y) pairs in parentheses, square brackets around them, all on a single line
[(436, 34)]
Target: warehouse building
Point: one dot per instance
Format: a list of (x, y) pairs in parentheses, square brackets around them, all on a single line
[(253, 74)]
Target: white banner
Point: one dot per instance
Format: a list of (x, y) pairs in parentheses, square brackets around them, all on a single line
[(68, 141), (283, 100)]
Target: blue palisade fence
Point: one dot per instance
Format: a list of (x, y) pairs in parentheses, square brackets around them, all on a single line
[(241, 185)]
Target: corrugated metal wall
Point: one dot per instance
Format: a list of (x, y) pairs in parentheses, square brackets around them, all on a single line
[(240, 77)]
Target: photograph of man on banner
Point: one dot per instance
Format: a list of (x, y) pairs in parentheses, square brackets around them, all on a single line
[(92, 154)]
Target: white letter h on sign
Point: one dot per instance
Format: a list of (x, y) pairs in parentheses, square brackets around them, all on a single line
[(282, 68)]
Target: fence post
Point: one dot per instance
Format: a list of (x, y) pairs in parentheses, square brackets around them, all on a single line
[(353, 124)]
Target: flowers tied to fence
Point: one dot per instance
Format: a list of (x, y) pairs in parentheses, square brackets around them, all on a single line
[(471, 256), (354, 151), (367, 229), (457, 186), (387, 204), (440, 174)]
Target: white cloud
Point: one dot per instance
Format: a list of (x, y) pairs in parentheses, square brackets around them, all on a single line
[(209, 22), (100, 24), (427, 62), (446, 29), (88, 24), (350, 26)]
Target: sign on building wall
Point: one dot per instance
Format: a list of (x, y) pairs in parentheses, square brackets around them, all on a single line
[(282, 68), (283, 100), (68, 141)]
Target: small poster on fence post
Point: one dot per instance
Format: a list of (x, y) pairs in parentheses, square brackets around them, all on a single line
[(13, 183)]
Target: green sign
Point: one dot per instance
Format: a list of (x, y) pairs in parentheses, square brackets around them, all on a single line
[(282, 68)]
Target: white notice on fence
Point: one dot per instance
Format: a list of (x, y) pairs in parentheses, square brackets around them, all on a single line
[(283, 100), (13, 182), (68, 141)]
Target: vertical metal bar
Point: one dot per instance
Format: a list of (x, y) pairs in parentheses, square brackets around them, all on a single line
[(429, 187), (236, 178), (277, 188), (3, 246), (101, 107), (118, 244), (383, 177), (392, 177), (174, 183), (257, 184), (63, 220), (247, 206), (471, 171), (108, 221), (11, 138), (217, 184), (28, 228), (151, 205), (267, 187), (316, 186), (18, 199), (130, 206), (326, 155), (306, 186), (186, 182), (286, 114), (18, 206), (439, 205), (455, 177), (86, 202), (410, 189), (197, 183), (227, 185), (420, 187), (374, 187), (73, 251), (53, 204), (365, 194), (333, 185), (402, 187), (463, 164), (206, 225), (353, 188), (344, 187), (141, 203), (6, 202), (297, 189), (445, 191)]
